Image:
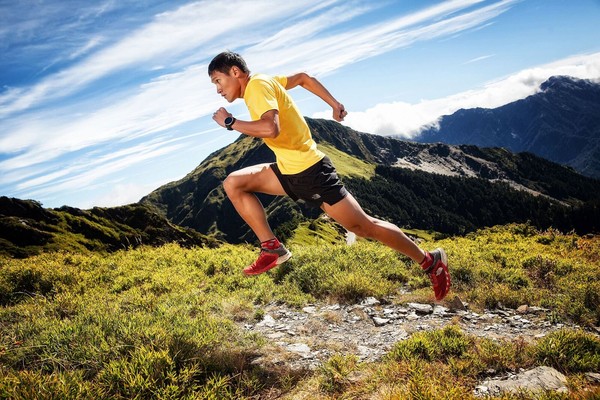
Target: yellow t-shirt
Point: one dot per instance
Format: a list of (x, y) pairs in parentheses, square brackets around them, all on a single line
[(294, 148)]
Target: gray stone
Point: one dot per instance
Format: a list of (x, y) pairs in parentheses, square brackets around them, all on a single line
[(593, 377), (380, 321), (267, 321), (412, 316), (299, 348), (481, 390), (370, 301), (440, 310), (364, 351), (421, 308), (537, 379)]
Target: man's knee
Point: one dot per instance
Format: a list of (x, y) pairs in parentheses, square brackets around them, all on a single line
[(363, 229), (232, 184)]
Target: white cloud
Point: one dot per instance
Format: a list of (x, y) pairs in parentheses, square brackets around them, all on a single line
[(123, 193), (84, 178), (173, 99), (400, 118), (477, 59), (157, 106), (93, 165), (328, 53), (171, 34), (92, 43)]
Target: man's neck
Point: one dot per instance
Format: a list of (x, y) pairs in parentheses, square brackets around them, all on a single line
[(243, 83)]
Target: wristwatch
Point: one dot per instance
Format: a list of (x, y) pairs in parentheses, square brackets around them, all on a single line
[(228, 122)]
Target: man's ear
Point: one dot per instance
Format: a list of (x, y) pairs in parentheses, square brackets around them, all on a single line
[(234, 71)]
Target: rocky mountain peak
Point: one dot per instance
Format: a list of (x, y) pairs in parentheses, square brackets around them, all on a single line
[(568, 83), (561, 123)]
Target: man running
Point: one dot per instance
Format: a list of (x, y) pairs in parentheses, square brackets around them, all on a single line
[(301, 171)]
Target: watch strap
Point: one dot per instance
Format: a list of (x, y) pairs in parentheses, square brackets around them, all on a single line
[(229, 121)]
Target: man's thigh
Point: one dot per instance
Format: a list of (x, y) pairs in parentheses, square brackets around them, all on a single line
[(347, 212), (257, 179)]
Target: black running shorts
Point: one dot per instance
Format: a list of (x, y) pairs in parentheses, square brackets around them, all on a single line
[(315, 185)]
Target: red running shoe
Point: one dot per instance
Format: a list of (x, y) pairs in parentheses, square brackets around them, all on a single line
[(436, 265), (267, 259)]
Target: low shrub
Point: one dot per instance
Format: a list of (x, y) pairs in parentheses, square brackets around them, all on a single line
[(569, 351)]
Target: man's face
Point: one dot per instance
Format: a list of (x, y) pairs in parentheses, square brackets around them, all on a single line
[(227, 85)]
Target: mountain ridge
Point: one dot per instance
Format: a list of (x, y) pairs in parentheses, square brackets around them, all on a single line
[(561, 123), (26, 228), (198, 200)]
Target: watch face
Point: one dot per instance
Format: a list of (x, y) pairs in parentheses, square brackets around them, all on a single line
[(228, 120)]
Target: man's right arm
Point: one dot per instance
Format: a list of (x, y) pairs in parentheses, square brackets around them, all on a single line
[(314, 86), (267, 126)]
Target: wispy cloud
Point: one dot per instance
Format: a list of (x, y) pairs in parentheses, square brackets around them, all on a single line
[(477, 59), (328, 53), (54, 118), (406, 119), (169, 35), (175, 98)]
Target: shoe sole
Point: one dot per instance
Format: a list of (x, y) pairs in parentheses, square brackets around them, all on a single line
[(284, 258), (443, 256)]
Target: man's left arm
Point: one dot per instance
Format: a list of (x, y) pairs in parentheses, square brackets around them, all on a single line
[(314, 86)]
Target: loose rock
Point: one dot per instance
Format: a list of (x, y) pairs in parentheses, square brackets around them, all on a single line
[(370, 301), (524, 309), (380, 321), (299, 348), (537, 379), (421, 308), (593, 377), (457, 304), (371, 331)]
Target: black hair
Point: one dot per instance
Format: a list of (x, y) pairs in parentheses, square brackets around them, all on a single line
[(225, 60)]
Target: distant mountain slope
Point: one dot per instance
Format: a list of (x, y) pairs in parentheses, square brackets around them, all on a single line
[(560, 123), (27, 228), (472, 187)]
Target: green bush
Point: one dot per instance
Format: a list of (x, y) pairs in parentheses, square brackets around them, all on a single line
[(334, 373), (34, 385), (569, 351), (23, 279), (437, 345)]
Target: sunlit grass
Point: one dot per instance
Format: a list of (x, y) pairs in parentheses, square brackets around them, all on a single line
[(346, 165), (163, 322)]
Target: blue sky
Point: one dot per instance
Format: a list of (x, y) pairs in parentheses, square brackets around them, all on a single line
[(102, 102)]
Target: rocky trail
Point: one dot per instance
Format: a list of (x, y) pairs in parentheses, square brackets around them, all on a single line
[(303, 339)]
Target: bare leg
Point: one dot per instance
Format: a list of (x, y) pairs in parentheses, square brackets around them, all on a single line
[(240, 187), (352, 217)]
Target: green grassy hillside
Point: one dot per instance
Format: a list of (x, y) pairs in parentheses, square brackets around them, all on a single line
[(484, 195), (26, 228), (163, 323)]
